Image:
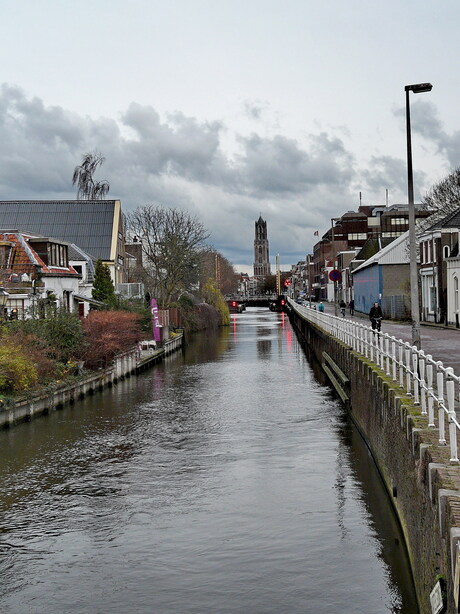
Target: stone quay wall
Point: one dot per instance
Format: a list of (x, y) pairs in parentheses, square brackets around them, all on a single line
[(126, 364), (423, 485)]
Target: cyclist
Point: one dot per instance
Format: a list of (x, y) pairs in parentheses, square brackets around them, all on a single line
[(375, 316)]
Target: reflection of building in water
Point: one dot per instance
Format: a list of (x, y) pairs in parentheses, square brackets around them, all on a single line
[(264, 348), (264, 345), (261, 258)]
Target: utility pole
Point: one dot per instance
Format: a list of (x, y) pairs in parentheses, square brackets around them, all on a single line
[(414, 299), (278, 275)]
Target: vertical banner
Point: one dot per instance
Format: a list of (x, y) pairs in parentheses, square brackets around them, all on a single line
[(155, 321)]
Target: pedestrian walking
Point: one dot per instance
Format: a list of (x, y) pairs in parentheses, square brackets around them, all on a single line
[(375, 316), (321, 306), (351, 306), (342, 308)]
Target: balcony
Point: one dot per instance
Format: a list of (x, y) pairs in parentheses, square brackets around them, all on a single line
[(13, 284)]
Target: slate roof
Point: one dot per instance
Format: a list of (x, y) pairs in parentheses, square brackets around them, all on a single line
[(372, 246), (87, 223), (452, 220)]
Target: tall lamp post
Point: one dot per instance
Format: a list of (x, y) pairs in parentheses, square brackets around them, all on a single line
[(416, 88)]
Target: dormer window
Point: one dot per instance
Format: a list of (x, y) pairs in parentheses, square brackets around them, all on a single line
[(57, 255), (5, 251)]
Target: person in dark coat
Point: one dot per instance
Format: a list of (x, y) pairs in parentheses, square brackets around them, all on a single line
[(351, 305), (375, 316), (342, 308)]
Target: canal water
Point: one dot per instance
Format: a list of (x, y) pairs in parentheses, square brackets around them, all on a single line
[(227, 480)]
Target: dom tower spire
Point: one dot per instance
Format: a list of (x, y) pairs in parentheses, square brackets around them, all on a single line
[(261, 258)]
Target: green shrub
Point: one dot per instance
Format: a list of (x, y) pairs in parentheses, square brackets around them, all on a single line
[(61, 336), (213, 296), (17, 371)]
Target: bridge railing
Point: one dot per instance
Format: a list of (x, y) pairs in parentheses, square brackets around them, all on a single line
[(432, 386)]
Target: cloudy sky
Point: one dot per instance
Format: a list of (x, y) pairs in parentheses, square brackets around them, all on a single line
[(230, 109)]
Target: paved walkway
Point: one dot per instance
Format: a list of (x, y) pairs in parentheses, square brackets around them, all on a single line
[(441, 342)]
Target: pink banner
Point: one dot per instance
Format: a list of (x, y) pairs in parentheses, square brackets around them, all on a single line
[(155, 321)]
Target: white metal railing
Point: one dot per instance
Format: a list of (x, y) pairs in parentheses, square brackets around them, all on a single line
[(431, 385)]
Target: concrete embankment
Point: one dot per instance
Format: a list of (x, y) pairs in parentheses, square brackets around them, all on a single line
[(55, 397), (422, 483)]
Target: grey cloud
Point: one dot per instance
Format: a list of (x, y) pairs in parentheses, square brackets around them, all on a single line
[(254, 110), (279, 165), (386, 172), (178, 161), (425, 122), (182, 146)]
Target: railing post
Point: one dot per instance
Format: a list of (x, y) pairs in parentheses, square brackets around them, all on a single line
[(408, 366), (421, 367), (415, 375), (401, 363), (387, 352), (440, 394), (382, 351), (450, 391), (429, 380), (393, 357)]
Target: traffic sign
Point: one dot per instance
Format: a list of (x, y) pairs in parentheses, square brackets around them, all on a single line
[(335, 275)]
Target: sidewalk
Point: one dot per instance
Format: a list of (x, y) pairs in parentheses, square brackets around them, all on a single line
[(442, 343)]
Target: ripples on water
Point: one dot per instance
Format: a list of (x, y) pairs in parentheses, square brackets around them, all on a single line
[(227, 480)]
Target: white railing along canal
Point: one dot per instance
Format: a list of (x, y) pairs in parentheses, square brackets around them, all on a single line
[(432, 386)]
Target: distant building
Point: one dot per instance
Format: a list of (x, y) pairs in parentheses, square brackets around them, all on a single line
[(261, 256)]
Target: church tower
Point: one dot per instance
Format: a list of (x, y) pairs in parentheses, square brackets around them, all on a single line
[(261, 258)]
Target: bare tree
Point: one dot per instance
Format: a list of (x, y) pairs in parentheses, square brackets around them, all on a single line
[(215, 266), (172, 245), (443, 198), (88, 189)]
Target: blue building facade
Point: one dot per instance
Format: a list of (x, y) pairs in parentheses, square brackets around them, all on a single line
[(367, 286)]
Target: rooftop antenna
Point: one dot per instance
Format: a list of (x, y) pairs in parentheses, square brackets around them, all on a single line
[(360, 199)]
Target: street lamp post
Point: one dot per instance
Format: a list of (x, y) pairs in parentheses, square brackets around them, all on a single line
[(414, 300)]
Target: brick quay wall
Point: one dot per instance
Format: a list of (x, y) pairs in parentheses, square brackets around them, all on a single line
[(423, 485), (56, 397)]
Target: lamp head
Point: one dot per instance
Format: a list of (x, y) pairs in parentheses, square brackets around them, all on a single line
[(417, 88), (3, 297)]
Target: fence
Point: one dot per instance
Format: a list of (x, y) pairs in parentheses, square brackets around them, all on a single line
[(396, 307), (431, 385)]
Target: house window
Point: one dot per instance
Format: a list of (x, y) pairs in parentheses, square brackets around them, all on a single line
[(15, 308), (446, 251), (428, 251), (398, 221), (432, 298), (4, 255), (357, 236), (456, 294)]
